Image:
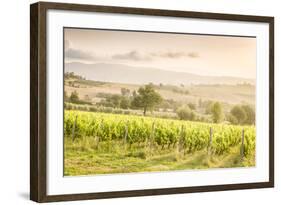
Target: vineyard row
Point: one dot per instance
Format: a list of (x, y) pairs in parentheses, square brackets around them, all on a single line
[(191, 136)]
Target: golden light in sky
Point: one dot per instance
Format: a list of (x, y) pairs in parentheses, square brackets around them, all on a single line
[(198, 54)]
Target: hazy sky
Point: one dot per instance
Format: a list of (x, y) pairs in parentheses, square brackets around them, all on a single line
[(199, 54)]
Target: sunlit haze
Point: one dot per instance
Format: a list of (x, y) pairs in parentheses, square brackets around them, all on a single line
[(198, 54)]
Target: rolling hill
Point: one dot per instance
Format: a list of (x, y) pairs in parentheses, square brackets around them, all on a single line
[(120, 73)]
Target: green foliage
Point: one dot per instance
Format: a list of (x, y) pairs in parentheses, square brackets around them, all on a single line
[(87, 156), (238, 113), (209, 105), (146, 98), (192, 106), (114, 101), (125, 91), (185, 113), (125, 103), (250, 141), (217, 112), (250, 114), (169, 104), (74, 97), (72, 75), (195, 136), (232, 119), (242, 114)]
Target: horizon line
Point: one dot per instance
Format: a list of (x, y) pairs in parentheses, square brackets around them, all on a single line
[(155, 68)]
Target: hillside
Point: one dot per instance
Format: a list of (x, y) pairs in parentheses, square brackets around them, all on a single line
[(231, 94), (119, 73)]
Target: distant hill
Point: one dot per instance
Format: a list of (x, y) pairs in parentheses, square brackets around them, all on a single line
[(120, 73)]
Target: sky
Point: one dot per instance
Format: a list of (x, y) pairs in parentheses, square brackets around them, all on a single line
[(198, 54)]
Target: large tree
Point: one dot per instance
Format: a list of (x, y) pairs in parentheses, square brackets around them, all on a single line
[(125, 91), (217, 112), (146, 98), (239, 114), (185, 113), (250, 114), (74, 98), (243, 114)]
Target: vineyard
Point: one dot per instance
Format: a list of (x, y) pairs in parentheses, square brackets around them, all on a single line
[(96, 136)]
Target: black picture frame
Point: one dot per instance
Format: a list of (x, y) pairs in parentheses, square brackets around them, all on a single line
[(38, 103)]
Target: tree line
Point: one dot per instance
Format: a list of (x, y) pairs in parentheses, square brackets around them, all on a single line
[(146, 98)]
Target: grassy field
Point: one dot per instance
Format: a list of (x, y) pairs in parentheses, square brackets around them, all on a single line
[(89, 154), (82, 158)]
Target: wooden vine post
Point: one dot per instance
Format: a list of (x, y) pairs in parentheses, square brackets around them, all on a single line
[(180, 145), (97, 136), (73, 128), (210, 142), (242, 145), (125, 136), (151, 139)]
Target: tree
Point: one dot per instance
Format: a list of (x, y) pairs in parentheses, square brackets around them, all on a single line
[(125, 103), (134, 93), (209, 106), (250, 114), (115, 100), (243, 114), (232, 119), (185, 113), (192, 106), (125, 91), (217, 112), (74, 97), (239, 114), (146, 98)]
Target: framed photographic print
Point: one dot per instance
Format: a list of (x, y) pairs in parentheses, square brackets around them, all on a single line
[(134, 102)]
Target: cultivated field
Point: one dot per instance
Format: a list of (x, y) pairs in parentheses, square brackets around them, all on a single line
[(99, 143)]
